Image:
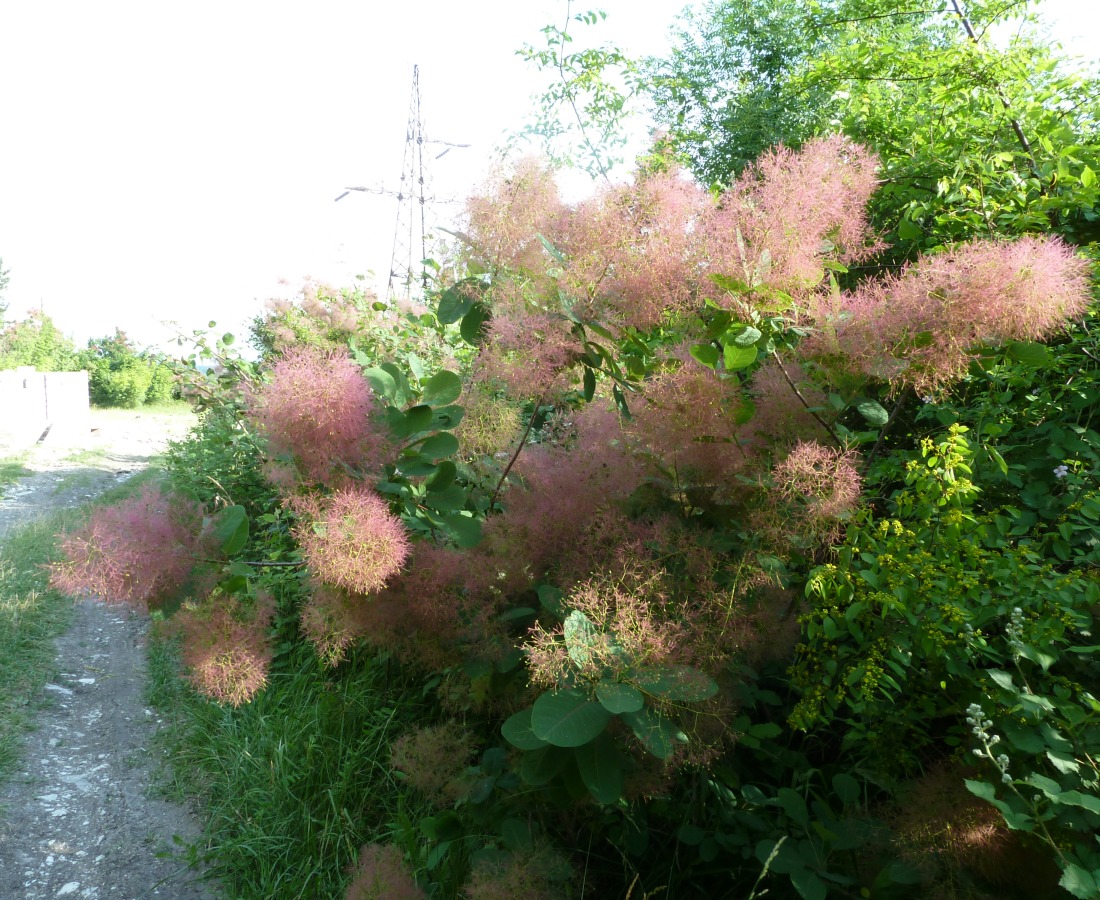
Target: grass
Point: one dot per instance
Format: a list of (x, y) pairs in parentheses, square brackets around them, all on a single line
[(88, 458), (293, 783), (12, 469), (168, 408), (31, 617)]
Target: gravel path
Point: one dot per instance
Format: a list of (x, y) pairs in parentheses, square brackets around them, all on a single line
[(79, 820)]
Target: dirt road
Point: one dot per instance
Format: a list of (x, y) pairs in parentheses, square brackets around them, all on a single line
[(80, 820)]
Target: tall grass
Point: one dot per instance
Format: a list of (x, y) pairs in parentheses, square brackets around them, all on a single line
[(293, 783)]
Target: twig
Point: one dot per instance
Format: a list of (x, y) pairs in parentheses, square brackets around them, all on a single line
[(820, 421), (515, 456)]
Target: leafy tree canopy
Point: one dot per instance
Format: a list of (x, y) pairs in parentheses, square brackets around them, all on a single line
[(975, 139)]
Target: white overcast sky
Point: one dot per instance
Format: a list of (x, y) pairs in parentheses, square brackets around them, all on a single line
[(172, 161)]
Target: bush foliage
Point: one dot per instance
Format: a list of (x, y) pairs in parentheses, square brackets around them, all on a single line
[(730, 564)]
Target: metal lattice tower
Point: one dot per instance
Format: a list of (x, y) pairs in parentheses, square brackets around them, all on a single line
[(411, 231), (408, 275)]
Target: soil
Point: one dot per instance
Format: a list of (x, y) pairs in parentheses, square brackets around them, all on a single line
[(81, 819)]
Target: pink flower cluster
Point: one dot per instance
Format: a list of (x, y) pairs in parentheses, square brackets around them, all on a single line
[(383, 875), (922, 327), (226, 648), (823, 481), (351, 540), (318, 408), (137, 551), (633, 255)]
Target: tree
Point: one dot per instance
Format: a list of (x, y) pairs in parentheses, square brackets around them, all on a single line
[(975, 140), (4, 278), (36, 341)]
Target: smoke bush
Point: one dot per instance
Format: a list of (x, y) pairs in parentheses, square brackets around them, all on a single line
[(351, 540), (383, 875), (922, 327), (226, 648), (138, 551), (318, 408)]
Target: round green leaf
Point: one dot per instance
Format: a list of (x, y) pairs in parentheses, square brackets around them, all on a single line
[(517, 732), (456, 301), (738, 357), (873, 412), (231, 529), (439, 445), (657, 734), (568, 718), (744, 335), (472, 326), (601, 768), (617, 697), (676, 683), (707, 354), (580, 635), (444, 476), (442, 388)]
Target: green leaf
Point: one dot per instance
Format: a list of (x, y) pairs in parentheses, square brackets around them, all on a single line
[(1079, 882), (451, 498), (516, 835), (1029, 353), (382, 383), (444, 827), (402, 391), (457, 300), (241, 569), (657, 734), (538, 767), (1088, 177), (617, 697), (873, 412), (846, 788), (580, 635), (794, 805), (442, 388), (908, 231), (412, 421), (517, 732), (676, 683), (444, 476), (445, 418), (1086, 801), (472, 328), (439, 445), (568, 718), (589, 384), (231, 529), (707, 354), (808, 884), (552, 250), (601, 768), (551, 599), (738, 357), (743, 335), (997, 458), (415, 465), (465, 530)]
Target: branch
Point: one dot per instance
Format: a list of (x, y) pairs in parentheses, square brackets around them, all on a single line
[(820, 421), (515, 456), (1019, 131), (576, 112)]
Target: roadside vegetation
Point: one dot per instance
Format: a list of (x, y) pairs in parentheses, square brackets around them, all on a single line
[(718, 536)]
